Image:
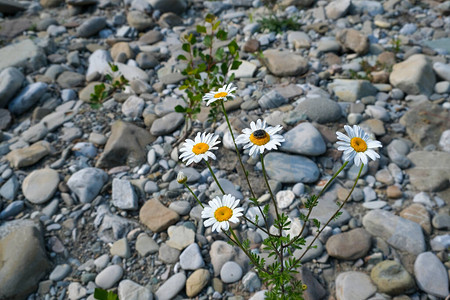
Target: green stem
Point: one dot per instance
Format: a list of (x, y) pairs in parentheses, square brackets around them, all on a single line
[(268, 186), (199, 202), (214, 176), (334, 215), (317, 199)]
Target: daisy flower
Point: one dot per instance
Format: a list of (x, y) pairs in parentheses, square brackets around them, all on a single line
[(222, 211), (199, 148), (357, 145), (260, 137), (223, 93)]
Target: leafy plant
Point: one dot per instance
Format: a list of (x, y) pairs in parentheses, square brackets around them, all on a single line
[(102, 294), (206, 69), (101, 92), (273, 23), (396, 43)]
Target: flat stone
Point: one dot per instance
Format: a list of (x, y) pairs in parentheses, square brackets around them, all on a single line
[(283, 63), (290, 168), (167, 124), (196, 282), (121, 248), (76, 291), (425, 123), (175, 6), (419, 214), (156, 216), (441, 221), (87, 183), (10, 7), (125, 146), (284, 199), (11, 80), (320, 109), (10, 188), (5, 119), (191, 258), (228, 187), (350, 90), (169, 289), (414, 76), (40, 185), (22, 270), (107, 278), (398, 232), (130, 290), (139, 20), (231, 272), (337, 9), (167, 254), (349, 245), (91, 26), (168, 106), (431, 275), (151, 37), (98, 62), (146, 245), (354, 285), (304, 139), (272, 99), (245, 70), (24, 54), (60, 272), (429, 170), (180, 237), (220, 253), (123, 195), (392, 278), (28, 156), (299, 39)]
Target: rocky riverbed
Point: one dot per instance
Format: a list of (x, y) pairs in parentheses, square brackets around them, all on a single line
[(89, 198)]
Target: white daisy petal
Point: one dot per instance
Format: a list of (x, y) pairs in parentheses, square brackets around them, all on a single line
[(221, 211), (270, 141), (199, 148)]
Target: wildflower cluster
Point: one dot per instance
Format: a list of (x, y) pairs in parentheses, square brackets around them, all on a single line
[(278, 276)]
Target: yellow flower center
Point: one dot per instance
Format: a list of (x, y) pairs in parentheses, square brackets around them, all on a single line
[(223, 213), (200, 148), (259, 137), (220, 95), (358, 144)]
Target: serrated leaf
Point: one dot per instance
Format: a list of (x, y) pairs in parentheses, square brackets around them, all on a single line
[(201, 29), (207, 41), (221, 35), (186, 47)]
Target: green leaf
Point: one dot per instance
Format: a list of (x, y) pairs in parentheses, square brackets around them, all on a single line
[(235, 65), (231, 77), (222, 35), (201, 29), (99, 88), (186, 47), (216, 25), (180, 109), (207, 41), (100, 294), (113, 67), (316, 223), (181, 57), (224, 68), (233, 47), (210, 18), (108, 77)]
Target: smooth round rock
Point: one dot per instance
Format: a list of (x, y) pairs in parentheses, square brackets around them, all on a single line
[(60, 272), (107, 278), (40, 185), (230, 272), (392, 278)]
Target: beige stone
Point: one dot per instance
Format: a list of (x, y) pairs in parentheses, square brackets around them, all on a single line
[(121, 47), (418, 213), (156, 216), (349, 245), (196, 282), (28, 156)]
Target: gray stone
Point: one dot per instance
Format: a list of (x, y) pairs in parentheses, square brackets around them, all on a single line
[(9, 188), (28, 156), (91, 26), (146, 60), (192, 174), (337, 9), (440, 242), (126, 145), (349, 245), (442, 87), (167, 124), (27, 98), (304, 139), (133, 107), (429, 170), (400, 233), (11, 81), (180, 207), (69, 79), (245, 70), (98, 62), (123, 195), (76, 291), (21, 271), (168, 106), (397, 151), (351, 39), (312, 252), (180, 237), (228, 187), (441, 221), (35, 133), (23, 54), (444, 141), (378, 112), (107, 278), (299, 39), (10, 7), (130, 290), (290, 168), (40, 185), (139, 20), (251, 282), (392, 278), (121, 248), (168, 254), (191, 258), (414, 76), (146, 245), (442, 70), (272, 100), (320, 109), (283, 63), (372, 8), (351, 90), (354, 285), (60, 272), (13, 209), (169, 289), (230, 272), (431, 275), (87, 183), (220, 253), (175, 6)]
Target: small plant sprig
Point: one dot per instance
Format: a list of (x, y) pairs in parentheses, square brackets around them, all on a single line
[(102, 294), (274, 23), (278, 276), (101, 92), (206, 69)]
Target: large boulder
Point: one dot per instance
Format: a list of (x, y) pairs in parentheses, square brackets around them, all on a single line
[(23, 54), (430, 170), (23, 259)]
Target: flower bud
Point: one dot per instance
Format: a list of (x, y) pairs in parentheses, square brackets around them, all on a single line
[(181, 178)]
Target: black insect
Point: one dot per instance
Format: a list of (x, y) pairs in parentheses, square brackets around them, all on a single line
[(259, 134)]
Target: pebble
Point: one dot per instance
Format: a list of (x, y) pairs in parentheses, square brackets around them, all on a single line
[(60, 272), (392, 278), (130, 290), (171, 287), (107, 278), (10, 188), (40, 185), (87, 183), (121, 248), (431, 275), (180, 237), (191, 258), (354, 285), (27, 97), (304, 139), (230, 272), (290, 168), (349, 245), (284, 199), (123, 195)]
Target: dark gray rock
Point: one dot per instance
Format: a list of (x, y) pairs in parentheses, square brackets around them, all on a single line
[(91, 26)]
